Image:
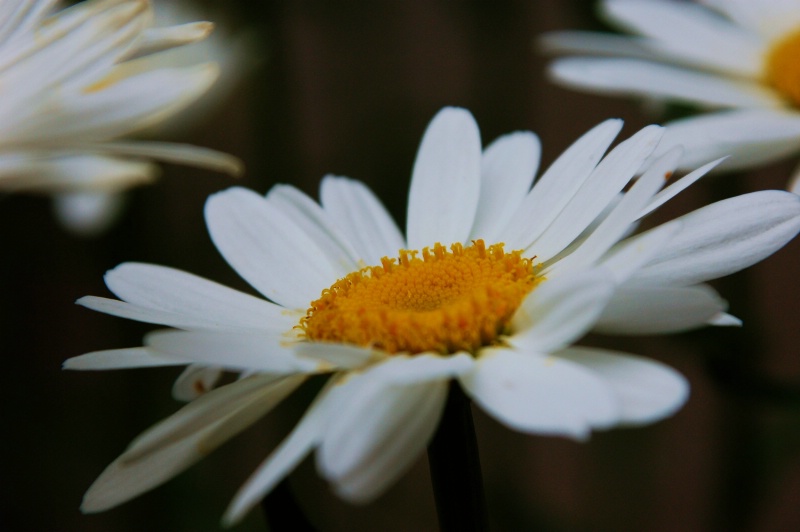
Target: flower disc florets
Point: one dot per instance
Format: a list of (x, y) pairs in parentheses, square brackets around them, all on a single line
[(444, 301), (783, 68)]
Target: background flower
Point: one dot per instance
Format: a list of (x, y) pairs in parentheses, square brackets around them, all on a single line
[(77, 79), (735, 60)]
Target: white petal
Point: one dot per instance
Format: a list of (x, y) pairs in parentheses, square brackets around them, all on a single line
[(155, 40), (635, 77), (309, 217), (618, 222), (118, 108), (631, 254), (445, 182), (600, 189), (560, 310), (403, 370), (195, 381), (647, 391), (508, 167), (134, 473), (338, 355), (678, 186), (378, 434), (587, 42), (659, 309), (232, 350), (30, 172), (770, 18), (88, 213), (691, 33), (23, 17), (750, 137), (174, 153), (270, 252), (134, 357), (723, 319), (558, 185), (267, 390), (541, 394), (194, 301), (362, 218), (303, 438), (725, 237)]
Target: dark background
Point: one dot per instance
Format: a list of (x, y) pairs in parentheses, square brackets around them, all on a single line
[(348, 88)]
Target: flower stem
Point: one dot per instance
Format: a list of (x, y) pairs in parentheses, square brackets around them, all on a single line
[(455, 468)]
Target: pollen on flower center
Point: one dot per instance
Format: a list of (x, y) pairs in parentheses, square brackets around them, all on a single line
[(434, 301), (783, 67)]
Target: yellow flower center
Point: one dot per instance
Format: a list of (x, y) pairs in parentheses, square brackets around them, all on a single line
[(445, 301), (783, 66)]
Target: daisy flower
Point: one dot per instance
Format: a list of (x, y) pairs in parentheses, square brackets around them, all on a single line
[(735, 59), (492, 284), (76, 80)]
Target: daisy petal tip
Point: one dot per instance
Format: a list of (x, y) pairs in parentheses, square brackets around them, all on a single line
[(723, 319)]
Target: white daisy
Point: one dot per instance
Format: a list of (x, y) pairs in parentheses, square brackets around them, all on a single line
[(74, 81), (736, 59), (503, 279)]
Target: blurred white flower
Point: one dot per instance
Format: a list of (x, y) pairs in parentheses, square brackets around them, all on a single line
[(738, 60), (73, 82), (500, 318), (236, 54)]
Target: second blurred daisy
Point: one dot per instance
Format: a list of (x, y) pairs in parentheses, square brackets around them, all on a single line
[(76, 80), (736, 59)]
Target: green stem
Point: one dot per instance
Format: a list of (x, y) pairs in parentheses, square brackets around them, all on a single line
[(455, 468)]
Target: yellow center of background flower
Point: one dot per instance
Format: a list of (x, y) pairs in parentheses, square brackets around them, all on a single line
[(435, 301), (783, 66)]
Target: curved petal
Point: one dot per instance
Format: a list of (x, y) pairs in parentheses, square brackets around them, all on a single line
[(69, 172), (559, 311), (303, 438), (647, 391), (541, 394), (748, 137), (361, 217), (558, 185), (117, 108), (618, 76), (597, 192), (770, 18), (338, 355), (194, 301), (619, 221), (508, 167), (385, 417), (175, 153), (126, 358), (379, 433), (446, 180), (725, 237), (184, 438), (659, 309), (691, 33), (309, 217), (592, 43), (232, 350), (269, 251), (195, 381)]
